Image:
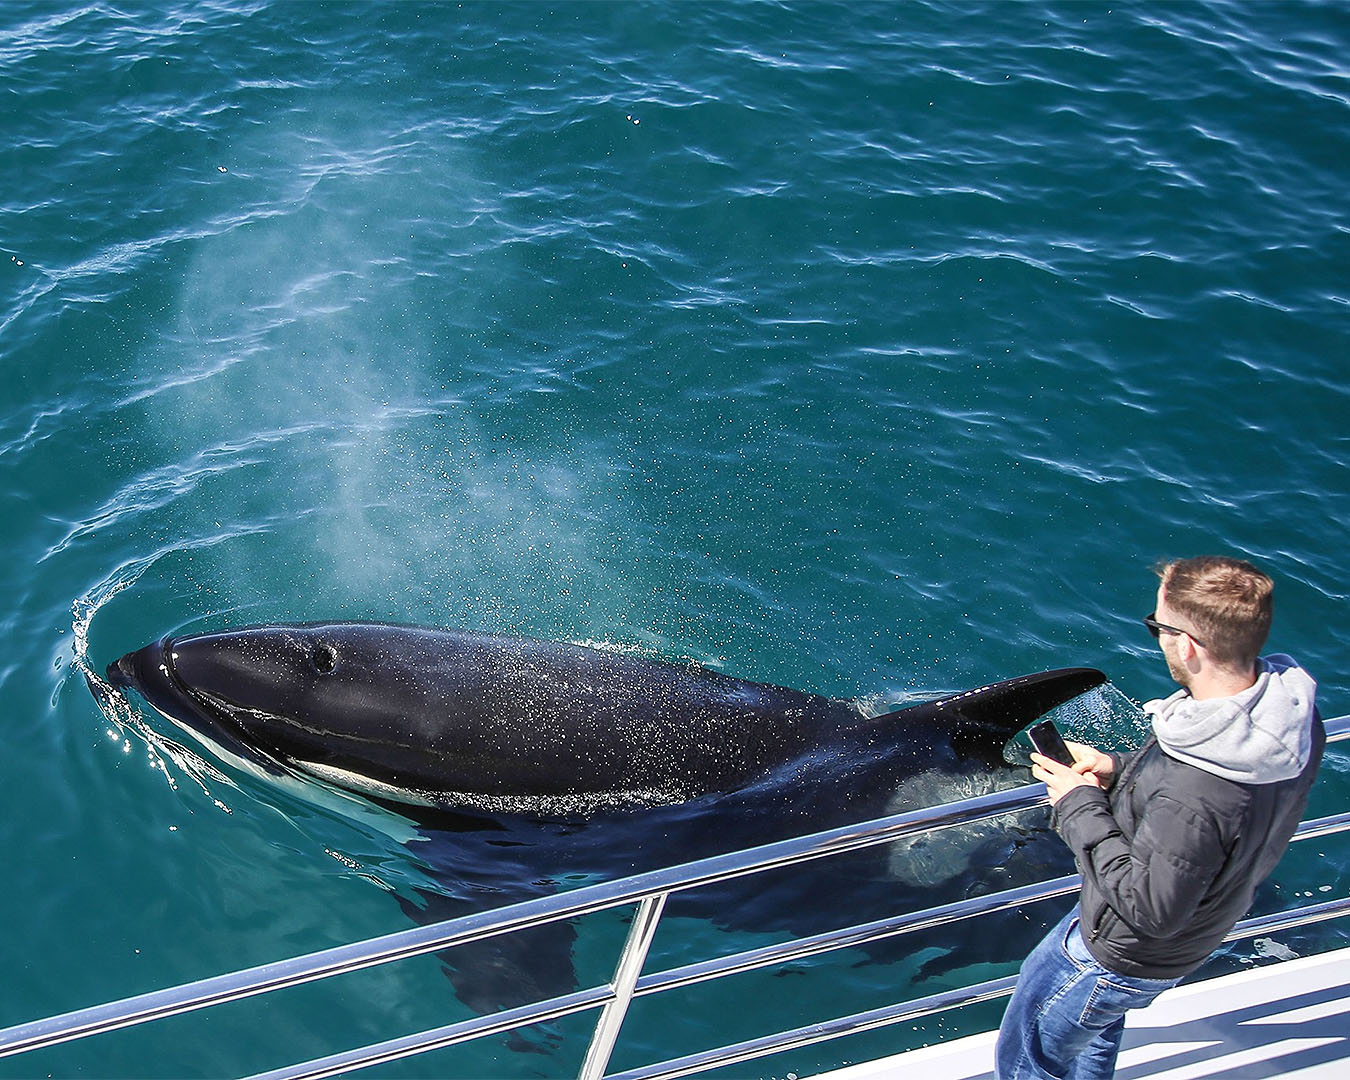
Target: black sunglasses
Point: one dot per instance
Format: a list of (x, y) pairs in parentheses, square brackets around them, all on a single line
[(1155, 628)]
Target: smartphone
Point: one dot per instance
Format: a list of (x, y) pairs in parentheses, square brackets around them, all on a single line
[(1045, 737)]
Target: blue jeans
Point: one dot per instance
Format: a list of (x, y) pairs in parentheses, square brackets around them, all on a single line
[(1067, 1013)]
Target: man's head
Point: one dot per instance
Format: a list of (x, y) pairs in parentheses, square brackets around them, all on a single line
[(1222, 605)]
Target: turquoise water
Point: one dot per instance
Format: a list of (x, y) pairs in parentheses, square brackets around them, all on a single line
[(876, 350)]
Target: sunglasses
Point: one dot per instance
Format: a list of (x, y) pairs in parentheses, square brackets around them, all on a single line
[(1156, 628)]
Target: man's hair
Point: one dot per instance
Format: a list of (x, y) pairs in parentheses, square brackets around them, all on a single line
[(1228, 601)]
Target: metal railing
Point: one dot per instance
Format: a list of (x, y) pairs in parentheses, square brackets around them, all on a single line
[(649, 891)]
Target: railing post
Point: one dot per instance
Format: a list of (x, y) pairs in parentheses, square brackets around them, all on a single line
[(626, 975)]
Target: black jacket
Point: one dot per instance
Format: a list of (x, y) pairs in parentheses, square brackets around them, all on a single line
[(1171, 856)]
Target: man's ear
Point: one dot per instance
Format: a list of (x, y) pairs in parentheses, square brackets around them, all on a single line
[(1188, 651)]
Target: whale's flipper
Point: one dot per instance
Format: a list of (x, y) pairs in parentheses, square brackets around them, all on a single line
[(504, 971)]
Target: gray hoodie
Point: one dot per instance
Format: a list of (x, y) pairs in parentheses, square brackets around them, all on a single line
[(1260, 736)]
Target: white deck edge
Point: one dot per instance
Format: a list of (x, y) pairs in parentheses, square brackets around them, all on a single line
[(1290, 1019)]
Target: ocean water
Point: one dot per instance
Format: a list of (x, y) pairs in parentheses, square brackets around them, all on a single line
[(871, 349)]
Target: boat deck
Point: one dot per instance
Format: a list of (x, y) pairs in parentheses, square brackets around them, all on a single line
[(1290, 1019)]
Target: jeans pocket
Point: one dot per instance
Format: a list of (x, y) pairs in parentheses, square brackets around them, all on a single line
[(1075, 948), (1109, 1000), (1071, 942)]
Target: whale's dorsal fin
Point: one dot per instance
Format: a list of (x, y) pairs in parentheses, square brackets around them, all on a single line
[(979, 722)]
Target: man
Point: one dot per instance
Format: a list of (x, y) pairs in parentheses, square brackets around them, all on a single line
[(1172, 840)]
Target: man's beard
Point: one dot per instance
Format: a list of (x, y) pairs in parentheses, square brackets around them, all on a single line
[(1177, 670)]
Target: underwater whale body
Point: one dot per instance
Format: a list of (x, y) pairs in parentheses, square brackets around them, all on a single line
[(454, 719)]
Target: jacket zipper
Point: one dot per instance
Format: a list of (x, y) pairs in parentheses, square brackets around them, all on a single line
[(1126, 777)]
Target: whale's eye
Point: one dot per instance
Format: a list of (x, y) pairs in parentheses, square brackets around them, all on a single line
[(325, 659)]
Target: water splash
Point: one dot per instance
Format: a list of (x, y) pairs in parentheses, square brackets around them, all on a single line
[(127, 725), (177, 762), (1103, 717)]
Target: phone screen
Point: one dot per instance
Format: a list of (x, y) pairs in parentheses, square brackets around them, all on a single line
[(1045, 737)]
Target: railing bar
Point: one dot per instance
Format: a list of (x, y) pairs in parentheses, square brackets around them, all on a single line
[(1323, 826), (250, 982), (849, 937), (625, 979), (482, 1026), (1289, 920), (913, 1010), (435, 937), (439, 1038), (670, 980), (822, 1032)]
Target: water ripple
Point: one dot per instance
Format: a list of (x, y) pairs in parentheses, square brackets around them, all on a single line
[(868, 348)]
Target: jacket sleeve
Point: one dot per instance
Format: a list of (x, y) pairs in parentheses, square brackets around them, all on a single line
[(1120, 761), (1155, 881)]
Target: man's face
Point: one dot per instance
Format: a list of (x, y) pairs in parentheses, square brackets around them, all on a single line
[(1168, 641)]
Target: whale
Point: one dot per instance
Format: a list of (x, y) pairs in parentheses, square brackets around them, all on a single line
[(458, 720), (525, 765)]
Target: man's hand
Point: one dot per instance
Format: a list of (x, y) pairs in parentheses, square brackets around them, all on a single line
[(1087, 759), (1091, 768)]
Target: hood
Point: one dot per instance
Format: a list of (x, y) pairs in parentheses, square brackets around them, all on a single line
[(1260, 736)]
